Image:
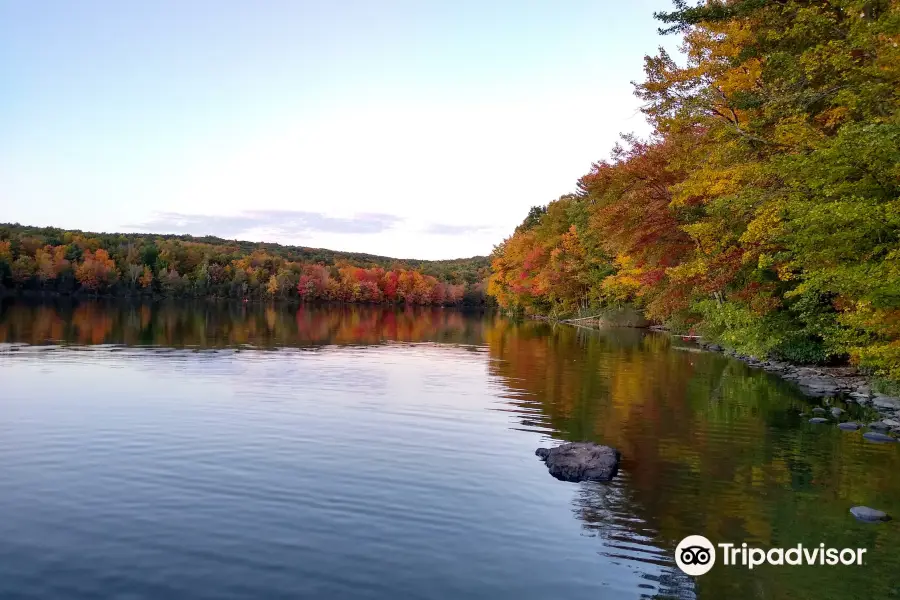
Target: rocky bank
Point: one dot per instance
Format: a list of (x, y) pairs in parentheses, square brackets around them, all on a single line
[(843, 383)]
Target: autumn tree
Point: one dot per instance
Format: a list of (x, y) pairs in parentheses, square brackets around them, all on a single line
[(23, 269), (146, 278), (96, 271), (51, 263), (764, 207)]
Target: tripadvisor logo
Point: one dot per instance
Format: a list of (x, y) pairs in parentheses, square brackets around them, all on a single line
[(696, 555)]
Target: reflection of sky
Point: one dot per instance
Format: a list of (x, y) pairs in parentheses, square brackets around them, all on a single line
[(342, 471)]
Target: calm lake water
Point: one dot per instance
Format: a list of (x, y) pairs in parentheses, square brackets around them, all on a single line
[(249, 452)]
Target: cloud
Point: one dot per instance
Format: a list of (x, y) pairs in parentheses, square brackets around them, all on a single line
[(443, 229), (275, 222)]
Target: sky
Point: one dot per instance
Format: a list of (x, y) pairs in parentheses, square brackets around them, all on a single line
[(405, 128)]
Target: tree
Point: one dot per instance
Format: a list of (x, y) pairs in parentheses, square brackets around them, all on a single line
[(23, 269), (171, 282), (135, 271), (763, 209), (97, 270), (146, 278)]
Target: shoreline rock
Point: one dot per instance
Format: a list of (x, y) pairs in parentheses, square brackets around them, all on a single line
[(879, 438), (581, 461), (869, 515)]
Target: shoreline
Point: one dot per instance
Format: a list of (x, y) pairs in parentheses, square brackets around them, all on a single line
[(77, 296), (844, 383)]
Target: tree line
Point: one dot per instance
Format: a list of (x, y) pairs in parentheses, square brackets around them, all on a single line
[(764, 209), (51, 260)]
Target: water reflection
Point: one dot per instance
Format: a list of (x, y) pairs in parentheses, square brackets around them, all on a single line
[(211, 325), (710, 446)]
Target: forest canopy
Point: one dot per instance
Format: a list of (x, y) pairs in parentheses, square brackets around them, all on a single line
[(54, 260), (764, 209)]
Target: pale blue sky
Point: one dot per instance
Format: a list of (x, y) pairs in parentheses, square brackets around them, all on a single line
[(405, 128)]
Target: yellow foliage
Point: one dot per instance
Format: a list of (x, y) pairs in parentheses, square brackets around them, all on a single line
[(786, 272), (711, 181), (687, 270)]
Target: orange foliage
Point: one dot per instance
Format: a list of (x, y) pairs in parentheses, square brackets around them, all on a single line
[(96, 271)]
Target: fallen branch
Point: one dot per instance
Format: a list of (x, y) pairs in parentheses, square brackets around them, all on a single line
[(582, 318)]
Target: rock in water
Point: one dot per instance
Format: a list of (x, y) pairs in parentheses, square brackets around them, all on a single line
[(819, 410), (882, 401), (874, 436), (581, 461), (869, 515), (849, 426), (815, 420)]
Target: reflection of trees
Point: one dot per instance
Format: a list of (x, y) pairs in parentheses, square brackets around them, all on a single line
[(709, 446), (208, 325)]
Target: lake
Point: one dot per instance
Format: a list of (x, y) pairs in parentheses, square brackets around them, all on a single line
[(226, 451)]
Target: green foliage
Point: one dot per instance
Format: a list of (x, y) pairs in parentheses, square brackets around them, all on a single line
[(535, 214), (736, 327), (682, 322), (801, 349), (886, 386), (684, 16)]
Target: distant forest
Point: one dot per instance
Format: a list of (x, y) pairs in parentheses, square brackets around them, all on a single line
[(48, 260)]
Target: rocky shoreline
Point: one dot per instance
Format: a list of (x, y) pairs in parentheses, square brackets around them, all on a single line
[(841, 383), (844, 384)]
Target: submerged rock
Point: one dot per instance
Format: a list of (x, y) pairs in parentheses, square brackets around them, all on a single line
[(874, 436), (816, 385), (818, 420), (886, 402), (837, 411), (849, 426), (869, 515), (581, 461), (819, 410), (879, 426)]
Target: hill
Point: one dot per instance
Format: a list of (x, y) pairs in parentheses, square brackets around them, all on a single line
[(50, 259)]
